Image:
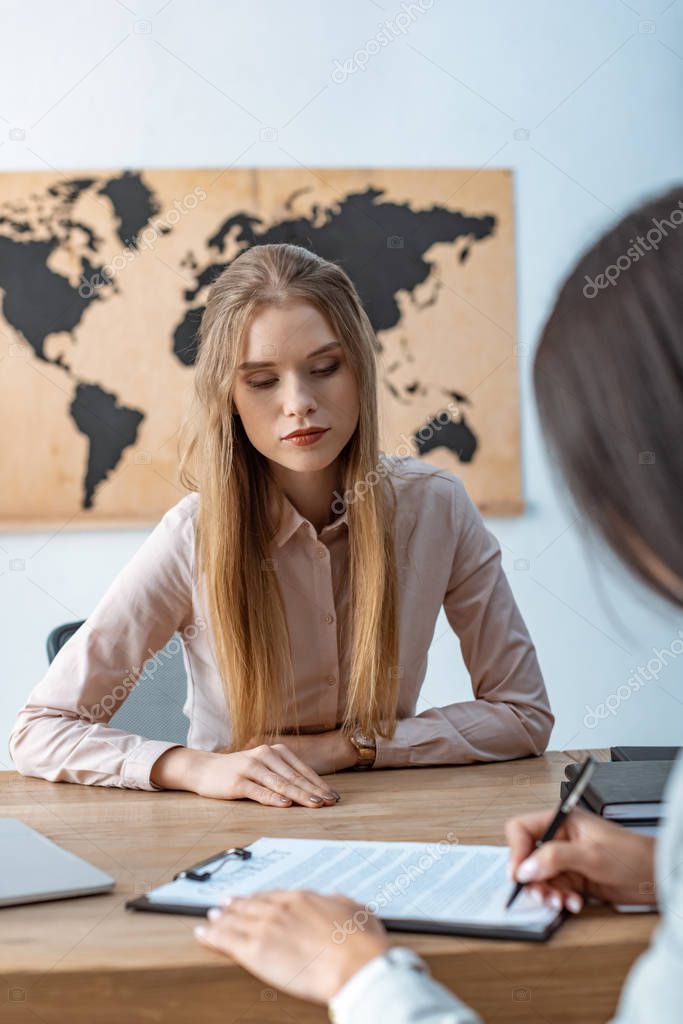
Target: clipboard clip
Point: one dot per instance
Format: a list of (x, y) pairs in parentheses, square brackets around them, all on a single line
[(202, 876)]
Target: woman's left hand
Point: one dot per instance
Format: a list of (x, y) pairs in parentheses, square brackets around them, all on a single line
[(303, 943), (325, 752)]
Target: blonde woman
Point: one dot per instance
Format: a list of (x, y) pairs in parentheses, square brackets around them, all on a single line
[(304, 574)]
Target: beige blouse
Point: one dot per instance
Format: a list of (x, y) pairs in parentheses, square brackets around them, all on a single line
[(446, 557)]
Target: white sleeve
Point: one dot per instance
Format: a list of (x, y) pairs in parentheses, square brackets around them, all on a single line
[(382, 990)]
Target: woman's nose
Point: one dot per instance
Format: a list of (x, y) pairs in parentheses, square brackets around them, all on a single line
[(298, 398)]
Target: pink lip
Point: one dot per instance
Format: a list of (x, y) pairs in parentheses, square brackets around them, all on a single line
[(301, 440)]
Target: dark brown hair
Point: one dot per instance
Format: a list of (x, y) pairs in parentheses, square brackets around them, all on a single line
[(608, 376)]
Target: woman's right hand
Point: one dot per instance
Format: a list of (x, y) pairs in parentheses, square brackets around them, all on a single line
[(588, 857), (268, 774)]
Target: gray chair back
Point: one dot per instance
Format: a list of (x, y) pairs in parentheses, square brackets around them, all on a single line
[(154, 708)]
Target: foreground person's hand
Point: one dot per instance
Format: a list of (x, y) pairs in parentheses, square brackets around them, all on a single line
[(588, 857), (296, 940)]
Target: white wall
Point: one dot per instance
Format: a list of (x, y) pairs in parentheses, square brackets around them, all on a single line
[(598, 88)]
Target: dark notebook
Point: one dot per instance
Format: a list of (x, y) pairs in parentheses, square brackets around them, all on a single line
[(644, 753), (626, 790)]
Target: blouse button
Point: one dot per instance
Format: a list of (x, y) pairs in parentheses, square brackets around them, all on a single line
[(331, 680), (322, 551), (329, 618)]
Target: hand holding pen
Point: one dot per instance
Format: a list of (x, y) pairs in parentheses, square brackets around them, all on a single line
[(566, 806)]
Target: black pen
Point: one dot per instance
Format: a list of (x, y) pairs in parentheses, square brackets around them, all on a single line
[(570, 801)]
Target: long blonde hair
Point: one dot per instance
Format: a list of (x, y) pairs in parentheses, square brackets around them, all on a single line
[(234, 529)]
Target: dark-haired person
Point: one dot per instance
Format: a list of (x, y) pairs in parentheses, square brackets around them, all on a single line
[(304, 572), (608, 376)]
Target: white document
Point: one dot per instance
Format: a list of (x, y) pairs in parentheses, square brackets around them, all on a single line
[(441, 882)]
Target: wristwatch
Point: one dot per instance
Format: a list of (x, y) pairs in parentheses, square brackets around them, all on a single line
[(404, 956), (366, 748)]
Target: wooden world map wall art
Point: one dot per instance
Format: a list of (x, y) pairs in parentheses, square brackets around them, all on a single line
[(103, 279)]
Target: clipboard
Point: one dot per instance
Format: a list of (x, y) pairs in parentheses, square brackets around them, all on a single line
[(400, 922), (194, 872)]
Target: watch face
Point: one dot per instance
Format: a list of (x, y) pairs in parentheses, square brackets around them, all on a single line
[(402, 956), (367, 742), (365, 749)]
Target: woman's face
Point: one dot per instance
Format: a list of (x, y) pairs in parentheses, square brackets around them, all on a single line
[(295, 386)]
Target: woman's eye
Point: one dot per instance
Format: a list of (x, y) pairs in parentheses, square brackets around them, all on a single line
[(325, 370), (328, 369)]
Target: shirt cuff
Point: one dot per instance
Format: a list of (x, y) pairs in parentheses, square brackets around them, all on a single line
[(138, 766), (388, 754), (344, 1005), (381, 988), (410, 744)]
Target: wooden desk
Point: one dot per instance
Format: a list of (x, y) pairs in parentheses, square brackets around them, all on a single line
[(86, 959)]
